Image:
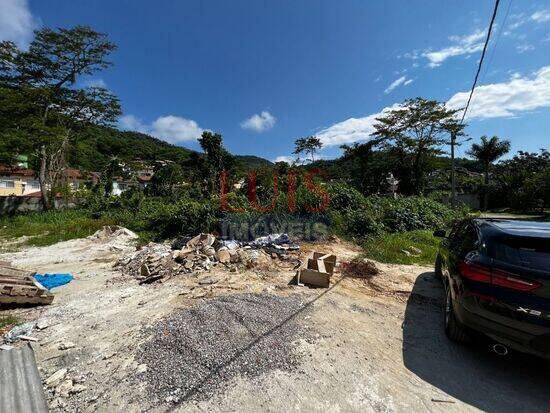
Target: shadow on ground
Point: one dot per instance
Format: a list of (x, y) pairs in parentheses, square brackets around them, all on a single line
[(469, 373)]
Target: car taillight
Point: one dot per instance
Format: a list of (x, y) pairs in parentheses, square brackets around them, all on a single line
[(475, 272), (504, 279), (481, 273)]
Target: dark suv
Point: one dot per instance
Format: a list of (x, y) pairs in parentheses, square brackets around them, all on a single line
[(496, 274)]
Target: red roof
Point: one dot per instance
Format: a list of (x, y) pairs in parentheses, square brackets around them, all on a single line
[(6, 170), (72, 173)]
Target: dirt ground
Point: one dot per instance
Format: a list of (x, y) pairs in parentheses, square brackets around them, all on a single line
[(379, 345)]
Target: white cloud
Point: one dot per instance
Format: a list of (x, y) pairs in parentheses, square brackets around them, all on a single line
[(351, 130), (296, 160), (396, 83), (522, 48), (541, 16), (519, 94), (132, 123), (95, 82), (463, 45), (16, 22), (259, 122), (172, 129), (506, 99), (284, 158)]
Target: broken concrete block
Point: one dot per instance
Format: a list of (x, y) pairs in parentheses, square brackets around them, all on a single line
[(208, 251), (66, 345), (55, 379), (208, 280), (42, 324), (223, 256)]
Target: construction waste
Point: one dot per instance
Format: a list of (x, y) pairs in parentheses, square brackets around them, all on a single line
[(154, 261)]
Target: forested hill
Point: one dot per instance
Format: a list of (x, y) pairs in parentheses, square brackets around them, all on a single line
[(96, 145)]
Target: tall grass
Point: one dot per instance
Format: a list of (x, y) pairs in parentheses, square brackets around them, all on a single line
[(46, 228), (388, 248)]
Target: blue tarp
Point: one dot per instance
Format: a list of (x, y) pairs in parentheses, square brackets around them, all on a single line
[(53, 280)]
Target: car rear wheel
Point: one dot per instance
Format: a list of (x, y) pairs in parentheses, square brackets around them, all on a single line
[(454, 330)]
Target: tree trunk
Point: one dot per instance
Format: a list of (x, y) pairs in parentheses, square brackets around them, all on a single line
[(453, 180), (486, 188), (42, 178)]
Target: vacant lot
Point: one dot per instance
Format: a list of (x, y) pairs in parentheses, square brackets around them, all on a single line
[(261, 344)]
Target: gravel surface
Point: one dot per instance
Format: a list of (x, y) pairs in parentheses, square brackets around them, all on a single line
[(195, 352)]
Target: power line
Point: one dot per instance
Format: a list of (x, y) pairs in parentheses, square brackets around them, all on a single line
[(501, 29), (481, 60)]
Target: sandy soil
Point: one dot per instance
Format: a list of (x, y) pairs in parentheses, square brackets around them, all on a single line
[(379, 345)]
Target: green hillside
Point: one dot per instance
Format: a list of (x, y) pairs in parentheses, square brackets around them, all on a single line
[(97, 145)]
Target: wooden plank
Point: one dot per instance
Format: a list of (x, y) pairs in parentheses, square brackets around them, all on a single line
[(11, 271), (5, 299), (20, 287), (312, 277)]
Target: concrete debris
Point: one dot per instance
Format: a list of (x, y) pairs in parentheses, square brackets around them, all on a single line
[(6, 347), (154, 262), (42, 324), (411, 254), (196, 352), (56, 378), (67, 387), (110, 232), (320, 268), (66, 345)]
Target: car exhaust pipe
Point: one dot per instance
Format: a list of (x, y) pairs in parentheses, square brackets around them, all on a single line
[(500, 349)]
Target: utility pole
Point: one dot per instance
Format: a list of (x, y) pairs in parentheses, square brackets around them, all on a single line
[(453, 181)]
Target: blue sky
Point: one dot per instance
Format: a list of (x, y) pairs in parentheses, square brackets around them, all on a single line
[(264, 73)]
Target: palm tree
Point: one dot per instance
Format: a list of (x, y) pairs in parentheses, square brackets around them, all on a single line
[(487, 152)]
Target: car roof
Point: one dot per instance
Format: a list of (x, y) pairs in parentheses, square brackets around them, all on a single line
[(514, 227)]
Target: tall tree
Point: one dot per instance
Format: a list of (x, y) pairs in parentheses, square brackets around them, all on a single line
[(486, 152), (45, 78), (415, 132), (214, 161), (309, 145), (166, 178)]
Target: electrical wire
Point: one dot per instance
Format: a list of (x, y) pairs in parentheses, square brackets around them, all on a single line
[(501, 29), (497, 2)]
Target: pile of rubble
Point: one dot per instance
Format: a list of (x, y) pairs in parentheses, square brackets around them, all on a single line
[(154, 261)]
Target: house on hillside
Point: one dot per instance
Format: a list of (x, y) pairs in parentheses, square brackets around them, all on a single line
[(17, 181)]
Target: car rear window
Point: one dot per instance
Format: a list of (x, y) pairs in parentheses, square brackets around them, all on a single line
[(525, 252)]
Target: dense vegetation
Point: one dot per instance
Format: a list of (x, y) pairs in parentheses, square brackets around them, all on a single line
[(44, 114)]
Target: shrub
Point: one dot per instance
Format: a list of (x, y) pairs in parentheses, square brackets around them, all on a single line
[(412, 213), (343, 197), (362, 223)]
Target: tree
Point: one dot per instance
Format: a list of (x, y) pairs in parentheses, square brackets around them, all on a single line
[(523, 182), (310, 145), (414, 133), (214, 160), (166, 179), (486, 152), (53, 110), (365, 172)]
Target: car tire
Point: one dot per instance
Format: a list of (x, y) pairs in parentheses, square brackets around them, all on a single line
[(438, 268), (454, 330)]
